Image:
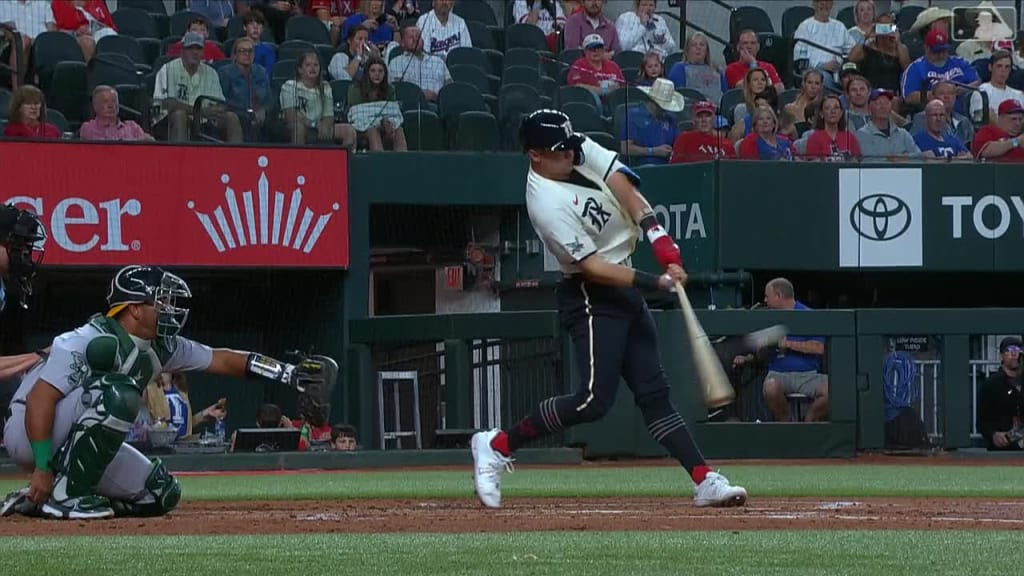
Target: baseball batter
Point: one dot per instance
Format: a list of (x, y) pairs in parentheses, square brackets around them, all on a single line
[(71, 414), (585, 206)]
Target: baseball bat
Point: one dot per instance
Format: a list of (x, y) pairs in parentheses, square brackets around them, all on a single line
[(714, 383)]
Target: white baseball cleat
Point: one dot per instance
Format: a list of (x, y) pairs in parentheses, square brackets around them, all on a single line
[(716, 491), (14, 502), (489, 465)]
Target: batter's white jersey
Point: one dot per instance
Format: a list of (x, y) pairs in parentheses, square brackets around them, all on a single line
[(581, 216)]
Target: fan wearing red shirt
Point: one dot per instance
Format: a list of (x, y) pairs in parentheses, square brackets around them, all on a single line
[(747, 46), (332, 13), (831, 141), (1001, 142), (594, 71), (211, 52), (703, 142), (27, 114), (89, 20)]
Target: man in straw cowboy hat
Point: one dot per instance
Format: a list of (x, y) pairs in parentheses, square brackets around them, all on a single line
[(651, 128)]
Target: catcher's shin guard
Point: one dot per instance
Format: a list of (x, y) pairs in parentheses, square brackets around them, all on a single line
[(163, 492), (96, 437)]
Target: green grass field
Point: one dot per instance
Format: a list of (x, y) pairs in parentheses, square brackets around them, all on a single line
[(874, 553)]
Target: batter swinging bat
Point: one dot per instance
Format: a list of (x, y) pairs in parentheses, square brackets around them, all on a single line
[(714, 383)]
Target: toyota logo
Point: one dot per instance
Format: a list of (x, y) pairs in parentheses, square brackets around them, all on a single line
[(880, 217)]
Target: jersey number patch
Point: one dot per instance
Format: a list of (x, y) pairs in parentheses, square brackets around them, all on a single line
[(598, 215)]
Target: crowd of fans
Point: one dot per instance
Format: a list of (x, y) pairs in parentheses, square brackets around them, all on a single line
[(340, 72)]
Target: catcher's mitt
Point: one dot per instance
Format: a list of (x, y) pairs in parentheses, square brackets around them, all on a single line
[(314, 377)]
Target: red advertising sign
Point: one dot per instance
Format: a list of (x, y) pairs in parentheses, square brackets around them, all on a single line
[(118, 204)]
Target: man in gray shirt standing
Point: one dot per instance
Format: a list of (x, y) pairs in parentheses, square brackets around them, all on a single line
[(880, 140)]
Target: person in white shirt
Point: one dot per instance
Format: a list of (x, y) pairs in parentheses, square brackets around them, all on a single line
[(998, 92), (29, 18), (641, 31), (415, 65), (586, 207), (442, 30), (826, 32), (544, 14)]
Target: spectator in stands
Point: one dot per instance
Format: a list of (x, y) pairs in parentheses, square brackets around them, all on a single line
[(29, 18), (641, 30), (857, 112), (651, 128), (219, 12), (881, 138), (650, 69), (959, 124), (332, 14), (882, 58), (864, 21), (1000, 65), (88, 20), (594, 70), (544, 14), (402, 9), (312, 423), (182, 81), (380, 26), (265, 55), (373, 109), (1001, 142), (827, 32), (107, 125), (415, 65), (810, 93), (267, 416), (571, 7), (276, 14), (443, 30), (343, 438), (764, 142), (1000, 410), (696, 71), (755, 87), (936, 64), (936, 141), (830, 140), (795, 368), (747, 47), (347, 64), (246, 87), (584, 24), (166, 399), (211, 51), (307, 104), (26, 118), (703, 142)]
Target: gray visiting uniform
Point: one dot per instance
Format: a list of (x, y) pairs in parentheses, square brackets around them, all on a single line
[(66, 370), (875, 145)]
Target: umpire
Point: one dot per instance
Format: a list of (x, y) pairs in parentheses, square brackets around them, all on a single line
[(585, 206)]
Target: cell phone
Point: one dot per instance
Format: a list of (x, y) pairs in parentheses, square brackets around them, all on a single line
[(884, 29)]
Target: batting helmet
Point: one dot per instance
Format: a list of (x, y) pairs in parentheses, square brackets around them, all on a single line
[(551, 130)]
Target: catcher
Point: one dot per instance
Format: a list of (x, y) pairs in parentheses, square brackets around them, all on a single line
[(71, 414)]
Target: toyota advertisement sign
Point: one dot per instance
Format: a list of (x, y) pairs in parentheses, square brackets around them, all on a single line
[(880, 218), (115, 204)]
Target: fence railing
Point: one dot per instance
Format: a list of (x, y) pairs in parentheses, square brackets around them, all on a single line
[(929, 398)]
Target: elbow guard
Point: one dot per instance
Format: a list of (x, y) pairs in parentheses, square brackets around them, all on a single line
[(627, 172)]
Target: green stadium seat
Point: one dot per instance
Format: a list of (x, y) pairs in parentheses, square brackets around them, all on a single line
[(307, 28), (135, 23), (69, 93), (584, 117), (477, 131), (423, 130)]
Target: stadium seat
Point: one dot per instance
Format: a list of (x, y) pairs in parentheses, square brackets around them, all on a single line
[(751, 17), (292, 49), (410, 96), (284, 69), (5, 102), (454, 99), (629, 95), (475, 76), (134, 101), (775, 50), (521, 75), (339, 89), (57, 119), (325, 52), (469, 56), (112, 69), (150, 50), (729, 102), (135, 23), (514, 102), (847, 17), (629, 59), (570, 55), (179, 22), (423, 130), (914, 43), (307, 28), (671, 60), (525, 36), (567, 94), (907, 15), (584, 118), (125, 45), (476, 11), (166, 43), (521, 57), (605, 139), (477, 131), (792, 17), (481, 36), (49, 49), (150, 6), (692, 94)]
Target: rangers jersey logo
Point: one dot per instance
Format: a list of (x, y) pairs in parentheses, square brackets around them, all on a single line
[(598, 216)]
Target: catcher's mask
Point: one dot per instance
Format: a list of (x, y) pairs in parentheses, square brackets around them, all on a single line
[(22, 235), (139, 284)]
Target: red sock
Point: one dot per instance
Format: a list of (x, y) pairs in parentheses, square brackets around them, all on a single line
[(500, 444), (699, 473)]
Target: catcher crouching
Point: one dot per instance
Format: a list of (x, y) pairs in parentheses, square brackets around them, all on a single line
[(70, 416)]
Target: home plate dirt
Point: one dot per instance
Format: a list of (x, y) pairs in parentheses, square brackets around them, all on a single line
[(376, 516)]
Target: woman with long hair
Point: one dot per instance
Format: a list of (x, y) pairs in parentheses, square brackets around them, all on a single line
[(831, 140), (27, 115), (764, 142), (650, 69), (757, 91), (864, 20), (382, 121), (882, 58), (696, 70), (307, 105), (810, 92)]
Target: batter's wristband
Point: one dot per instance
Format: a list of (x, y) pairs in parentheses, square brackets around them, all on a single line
[(649, 224), (41, 452), (646, 281)]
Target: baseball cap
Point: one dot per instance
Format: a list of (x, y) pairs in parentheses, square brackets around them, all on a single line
[(877, 92), (593, 41), (1010, 106), (849, 68), (1009, 341), (702, 106), (192, 40), (937, 41)]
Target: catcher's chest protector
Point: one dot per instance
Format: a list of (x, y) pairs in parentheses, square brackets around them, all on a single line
[(129, 359)]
